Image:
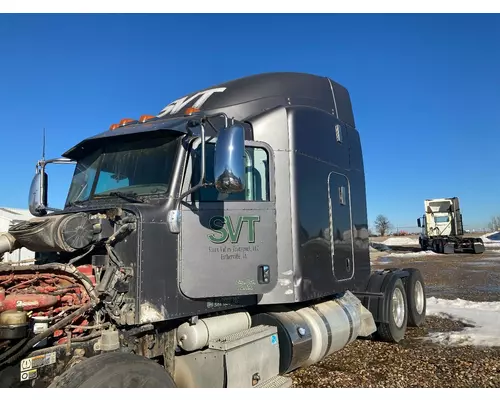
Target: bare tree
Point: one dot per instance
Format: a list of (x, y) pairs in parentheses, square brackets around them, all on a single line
[(382, 225), (494, 224)]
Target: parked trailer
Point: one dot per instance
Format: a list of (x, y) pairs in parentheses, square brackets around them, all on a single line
[(220, 243), (442, 228)]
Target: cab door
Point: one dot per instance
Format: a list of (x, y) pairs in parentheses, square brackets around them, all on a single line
[(228, 244)]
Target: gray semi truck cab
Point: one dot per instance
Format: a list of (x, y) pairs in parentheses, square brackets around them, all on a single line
[(220, 243)]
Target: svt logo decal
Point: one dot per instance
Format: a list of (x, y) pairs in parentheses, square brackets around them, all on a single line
[(223, 228), (179, 104)]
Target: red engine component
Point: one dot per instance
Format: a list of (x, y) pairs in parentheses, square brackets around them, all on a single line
[(26, 302), (89, 271), (49, 294)]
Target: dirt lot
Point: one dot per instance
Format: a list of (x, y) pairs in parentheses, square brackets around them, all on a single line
[(415, 363)]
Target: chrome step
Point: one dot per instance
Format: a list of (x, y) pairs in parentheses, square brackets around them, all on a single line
[(277, 381)]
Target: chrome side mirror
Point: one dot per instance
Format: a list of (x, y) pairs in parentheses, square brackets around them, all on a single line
[(229, 164), (37, 199)]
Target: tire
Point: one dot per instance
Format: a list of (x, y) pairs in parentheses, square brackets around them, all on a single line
[(115, 370), (423, 244), (438, 246), (416, 297), (9, 377), (394, 331)]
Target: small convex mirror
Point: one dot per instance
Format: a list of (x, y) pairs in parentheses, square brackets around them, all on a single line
[(229, 164), (37, 199)]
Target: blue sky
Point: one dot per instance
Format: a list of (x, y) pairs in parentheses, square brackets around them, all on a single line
[(425, 91)]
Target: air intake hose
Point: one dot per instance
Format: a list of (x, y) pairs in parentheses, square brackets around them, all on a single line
[(8, 243)]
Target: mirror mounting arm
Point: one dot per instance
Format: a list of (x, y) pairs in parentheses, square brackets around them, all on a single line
[(201, 183), (61, 160), (201, 121), (229, 167)]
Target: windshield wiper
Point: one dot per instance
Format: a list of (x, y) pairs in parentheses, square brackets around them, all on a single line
[(77, 203), (132, 197)]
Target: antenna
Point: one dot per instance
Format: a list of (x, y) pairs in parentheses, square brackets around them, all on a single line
[(43, 145)]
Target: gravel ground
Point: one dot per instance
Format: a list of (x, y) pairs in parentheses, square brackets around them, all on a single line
[(416, 362)]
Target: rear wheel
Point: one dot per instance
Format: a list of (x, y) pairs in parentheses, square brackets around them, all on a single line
[(115, 370), (395, 329), (438, 246), (415, 296)]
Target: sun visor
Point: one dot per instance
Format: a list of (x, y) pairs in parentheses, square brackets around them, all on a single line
[(172, 124)]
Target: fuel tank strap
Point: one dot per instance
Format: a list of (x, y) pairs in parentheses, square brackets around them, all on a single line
[(328, 329)]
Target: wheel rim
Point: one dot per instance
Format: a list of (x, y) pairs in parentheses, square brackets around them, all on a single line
[(418, 293), (398, 307)]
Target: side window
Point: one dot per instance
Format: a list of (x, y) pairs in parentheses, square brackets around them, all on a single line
[(256, 176)]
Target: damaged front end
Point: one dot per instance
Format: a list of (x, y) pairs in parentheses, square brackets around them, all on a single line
[(72, 302)]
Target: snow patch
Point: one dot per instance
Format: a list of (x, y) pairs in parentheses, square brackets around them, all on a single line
[(376, 263), (401, 241), (483, 316), (493, 236), (411, 255), (490, 239)]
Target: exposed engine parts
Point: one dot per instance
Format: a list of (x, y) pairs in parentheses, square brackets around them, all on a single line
[(42, 295), (67, 232), (54, 303), (13, 324), (8, 243)]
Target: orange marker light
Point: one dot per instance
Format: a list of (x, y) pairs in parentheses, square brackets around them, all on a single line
[(144, 118), (113, 127), (125, 121), (191, 111)]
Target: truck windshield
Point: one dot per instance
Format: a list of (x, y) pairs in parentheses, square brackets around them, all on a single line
[(133, 168)]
